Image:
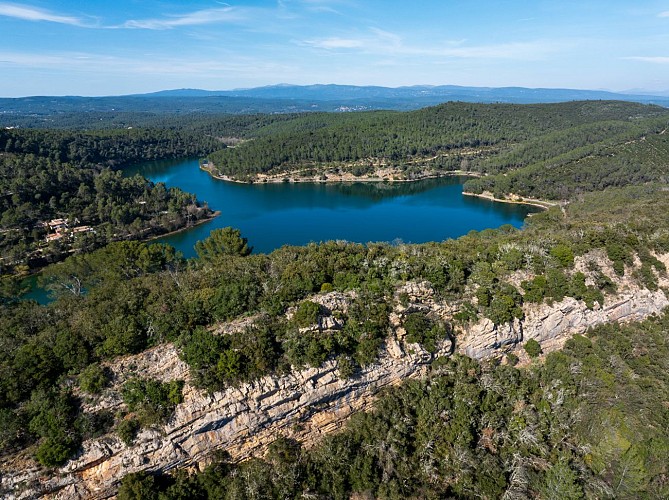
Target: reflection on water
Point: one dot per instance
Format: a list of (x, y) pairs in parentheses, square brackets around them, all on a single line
[(35, 292), (272, 215)]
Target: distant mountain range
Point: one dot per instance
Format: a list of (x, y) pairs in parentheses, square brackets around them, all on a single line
[(299, 98), (417, 93)]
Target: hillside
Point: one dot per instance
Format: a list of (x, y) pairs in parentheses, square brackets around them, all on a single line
[(486, 139), (527, 363), (58, 193)]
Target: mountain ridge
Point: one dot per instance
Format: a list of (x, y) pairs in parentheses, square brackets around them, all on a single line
[(285, 98), (337, 91)]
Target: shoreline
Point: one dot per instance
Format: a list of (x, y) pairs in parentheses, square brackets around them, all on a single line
[(185, 228), (293, 177), (37, 270), (535, 202)]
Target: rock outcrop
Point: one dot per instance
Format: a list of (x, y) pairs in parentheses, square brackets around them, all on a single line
[(242, 420), (553, 325), (305, 404)]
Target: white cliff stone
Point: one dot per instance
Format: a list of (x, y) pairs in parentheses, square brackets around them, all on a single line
[(303, 405)]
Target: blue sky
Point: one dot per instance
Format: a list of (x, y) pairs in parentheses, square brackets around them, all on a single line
[(111, 47)]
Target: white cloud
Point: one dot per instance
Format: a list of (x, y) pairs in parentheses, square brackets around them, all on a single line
[(95, 64), (335, 43), (207, 16), (384, 43), (512, 50), (327, 6), (34, 14), (649, 59), (663, 14)]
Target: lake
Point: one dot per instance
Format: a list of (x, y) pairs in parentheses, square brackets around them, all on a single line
[(273, 215)]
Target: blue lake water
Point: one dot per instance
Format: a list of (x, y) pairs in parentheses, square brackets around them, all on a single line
[(273, 215)]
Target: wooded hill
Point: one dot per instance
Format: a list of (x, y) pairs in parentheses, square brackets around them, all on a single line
[(273, 99), (65, 175), (139, 296), (487, 139)]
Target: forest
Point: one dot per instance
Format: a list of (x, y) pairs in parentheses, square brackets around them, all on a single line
[(555, 428), (66, 175), (486, 139), (129, 296)]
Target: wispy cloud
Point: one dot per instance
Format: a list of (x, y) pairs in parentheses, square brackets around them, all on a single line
[(663, 14), (34, 14), (335, 43), (94, 63), (384, 43), (375, 41), (649, 59), (200, 17), (325, 5)]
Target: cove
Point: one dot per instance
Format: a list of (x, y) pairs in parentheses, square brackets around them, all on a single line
[(273, 215)]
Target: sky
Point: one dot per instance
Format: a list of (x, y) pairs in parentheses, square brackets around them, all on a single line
[(115, 47)]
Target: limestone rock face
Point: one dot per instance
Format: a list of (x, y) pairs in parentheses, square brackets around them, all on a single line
[(553, 325), (243, 420), (303, 405)]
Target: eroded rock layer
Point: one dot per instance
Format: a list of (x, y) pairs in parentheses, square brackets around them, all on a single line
[(305, 404)]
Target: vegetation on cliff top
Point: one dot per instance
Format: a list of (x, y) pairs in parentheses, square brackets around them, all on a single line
[(140, 295), (557, 429)]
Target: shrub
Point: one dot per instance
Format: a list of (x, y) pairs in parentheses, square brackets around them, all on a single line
[(236, 297), (306, 314), (506, 304), (563, 254), (620, 256), (55, 451), (53, 417), (535, 289), (346, 366), (532, 348), (127, 430), (416, 324), (138, 486), (153, 401), (511, 359), (93, 379), (466, 313), (422, 330)]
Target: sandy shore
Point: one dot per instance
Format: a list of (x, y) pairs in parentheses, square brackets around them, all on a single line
[(380, 175), (518, 200)]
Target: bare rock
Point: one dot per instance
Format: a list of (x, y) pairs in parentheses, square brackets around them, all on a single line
[(305, 404)]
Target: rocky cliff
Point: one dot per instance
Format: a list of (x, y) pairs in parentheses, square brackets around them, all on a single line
[(305, 404)]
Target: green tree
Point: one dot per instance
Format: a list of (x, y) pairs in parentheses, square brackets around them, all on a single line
[(153, 401), (532, 348), (138, 486), (127, 430), (93, 379), (561, 482), (563, 254), (223, 242), (307, 313)]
